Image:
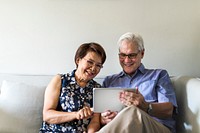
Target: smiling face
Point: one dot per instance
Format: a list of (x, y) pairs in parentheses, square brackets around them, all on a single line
[(88, 66), (130, 64)]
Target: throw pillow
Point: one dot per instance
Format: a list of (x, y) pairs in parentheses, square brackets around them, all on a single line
[(21, 107)]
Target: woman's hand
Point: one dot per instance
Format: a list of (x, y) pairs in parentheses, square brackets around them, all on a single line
[(84, 113)]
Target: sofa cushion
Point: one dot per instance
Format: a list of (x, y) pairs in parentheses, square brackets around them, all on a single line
[(21, 107)]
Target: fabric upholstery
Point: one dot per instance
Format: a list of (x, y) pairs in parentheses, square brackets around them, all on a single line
[(21, 103), (187, 92), (20, 107)]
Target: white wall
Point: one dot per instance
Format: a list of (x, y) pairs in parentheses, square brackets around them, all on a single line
[(41, 36)]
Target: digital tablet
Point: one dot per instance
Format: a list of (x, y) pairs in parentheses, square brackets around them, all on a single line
[(108, 99)]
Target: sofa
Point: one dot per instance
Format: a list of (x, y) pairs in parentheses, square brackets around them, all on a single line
[(22, 96)]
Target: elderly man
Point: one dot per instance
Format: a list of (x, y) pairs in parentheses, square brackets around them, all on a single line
[(152, 108)]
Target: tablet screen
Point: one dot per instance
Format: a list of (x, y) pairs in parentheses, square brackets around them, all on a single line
[(108, 99)]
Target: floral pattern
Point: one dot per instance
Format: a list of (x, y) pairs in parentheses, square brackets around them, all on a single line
[(72, 98)]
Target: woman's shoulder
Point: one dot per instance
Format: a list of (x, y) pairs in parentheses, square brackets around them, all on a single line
[(67, 75), (95, 83)]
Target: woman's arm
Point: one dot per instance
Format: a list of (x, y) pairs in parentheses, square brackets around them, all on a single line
[(51, 99), (52, 93), (94, 123)]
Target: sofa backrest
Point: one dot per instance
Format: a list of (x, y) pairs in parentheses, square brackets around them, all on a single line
[(28, 79), (21, 111)]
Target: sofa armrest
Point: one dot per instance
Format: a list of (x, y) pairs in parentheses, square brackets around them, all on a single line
[(187, 91)]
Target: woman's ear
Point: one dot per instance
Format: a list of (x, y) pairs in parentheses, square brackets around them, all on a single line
[(77, 61)]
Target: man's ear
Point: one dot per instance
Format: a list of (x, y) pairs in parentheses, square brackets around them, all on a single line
[(142, 53)]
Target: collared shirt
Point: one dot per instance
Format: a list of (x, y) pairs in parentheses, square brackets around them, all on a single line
[(154, 84)]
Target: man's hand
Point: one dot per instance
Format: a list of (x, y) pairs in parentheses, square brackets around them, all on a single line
[(107, 116), (129, 98)]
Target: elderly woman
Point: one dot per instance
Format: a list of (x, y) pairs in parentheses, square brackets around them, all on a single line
[(68, 97)]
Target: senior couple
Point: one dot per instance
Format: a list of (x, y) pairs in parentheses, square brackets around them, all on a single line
[(68, 98)]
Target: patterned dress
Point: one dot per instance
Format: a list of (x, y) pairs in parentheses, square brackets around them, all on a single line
[(72, 98)]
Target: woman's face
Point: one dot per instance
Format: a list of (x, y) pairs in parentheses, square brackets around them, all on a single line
[(89, 66)]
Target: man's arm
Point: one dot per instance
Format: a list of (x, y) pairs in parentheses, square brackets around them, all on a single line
[(159, 110)]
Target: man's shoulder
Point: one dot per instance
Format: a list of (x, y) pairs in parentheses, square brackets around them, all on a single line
[(113, 76), (161, 71), (157, 70), (156, 74), (145, 70)]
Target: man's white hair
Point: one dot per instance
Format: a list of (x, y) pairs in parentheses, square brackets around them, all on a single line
[(135, 38)]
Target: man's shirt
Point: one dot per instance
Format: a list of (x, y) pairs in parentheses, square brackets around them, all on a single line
[(154, 84)]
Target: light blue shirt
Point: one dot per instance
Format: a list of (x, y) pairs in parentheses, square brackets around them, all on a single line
[(154, 84)]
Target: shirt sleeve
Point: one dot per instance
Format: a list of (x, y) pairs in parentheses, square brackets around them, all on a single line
[(165, 89)]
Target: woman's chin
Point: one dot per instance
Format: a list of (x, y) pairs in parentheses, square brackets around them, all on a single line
[(90, 76)]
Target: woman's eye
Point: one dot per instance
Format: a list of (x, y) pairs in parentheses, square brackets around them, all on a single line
[(90, 62)]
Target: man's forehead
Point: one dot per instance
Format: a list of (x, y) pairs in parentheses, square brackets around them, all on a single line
[(128, 47)]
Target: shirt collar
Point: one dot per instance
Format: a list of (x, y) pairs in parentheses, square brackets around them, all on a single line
[(141, 69)]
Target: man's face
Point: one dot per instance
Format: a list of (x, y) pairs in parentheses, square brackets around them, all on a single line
[(130, 57)]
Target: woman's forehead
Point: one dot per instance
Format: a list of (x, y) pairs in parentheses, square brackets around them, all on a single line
[(93, 56)]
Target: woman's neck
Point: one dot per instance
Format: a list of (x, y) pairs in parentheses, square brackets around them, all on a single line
[(80, 81)]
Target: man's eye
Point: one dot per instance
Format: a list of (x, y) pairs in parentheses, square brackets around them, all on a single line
[(132, 55), (123, 55)]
